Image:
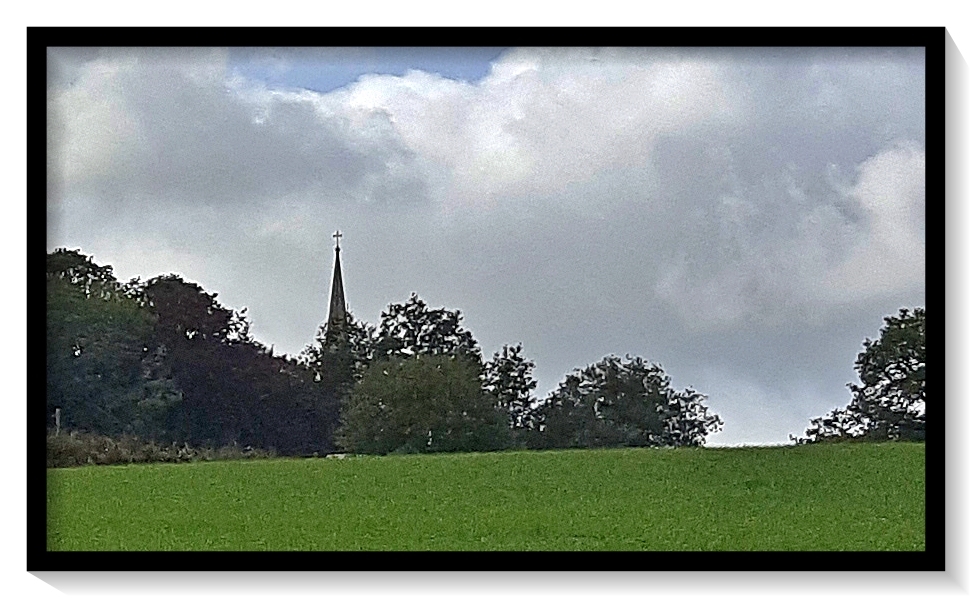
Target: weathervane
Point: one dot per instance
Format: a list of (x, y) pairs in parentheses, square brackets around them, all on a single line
[(337, 239)]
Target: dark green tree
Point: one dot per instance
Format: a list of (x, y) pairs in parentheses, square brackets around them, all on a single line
[(278, 404), (687, 420), (339, 366), (98, 350), (889, 403), (422, 403), (839, 424), (164, 360), (413, 328), (891, 395), (508, 378), (336, 367), (626, 402), (568, 418)]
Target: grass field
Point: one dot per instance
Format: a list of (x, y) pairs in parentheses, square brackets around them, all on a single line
[(818, 497)]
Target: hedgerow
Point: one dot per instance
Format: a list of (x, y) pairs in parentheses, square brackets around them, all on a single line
[(75, 449)]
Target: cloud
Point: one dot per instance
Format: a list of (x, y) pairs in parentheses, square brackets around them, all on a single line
[(889, 256), (152, 126), (542, 120), (793, 242)]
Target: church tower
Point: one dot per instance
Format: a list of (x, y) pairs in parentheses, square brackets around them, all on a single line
[(337, 318)]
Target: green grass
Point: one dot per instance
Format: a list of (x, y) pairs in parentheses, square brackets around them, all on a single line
[(818, 497)]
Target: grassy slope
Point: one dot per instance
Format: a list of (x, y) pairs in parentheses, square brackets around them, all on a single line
[(837, 497)]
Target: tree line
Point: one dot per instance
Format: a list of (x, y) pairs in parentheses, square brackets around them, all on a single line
[(163, 360)]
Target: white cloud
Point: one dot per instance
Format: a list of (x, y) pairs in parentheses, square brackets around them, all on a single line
[(147, 126), (542, 119), (889, 257), (785, 247), (89, 122)]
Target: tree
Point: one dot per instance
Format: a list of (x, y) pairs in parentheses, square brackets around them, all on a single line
[(98, 346), (889, 404), (422, 403), (838, 424), (189, 316), (627, 402), (336, 367), (276, 402), (892, 372), (508, 378), (339, 366), (686, 420), (81, 272), (191, 329), (234, 389), (412, 328)]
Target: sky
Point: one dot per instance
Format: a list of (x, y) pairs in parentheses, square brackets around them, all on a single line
[(743, 217)]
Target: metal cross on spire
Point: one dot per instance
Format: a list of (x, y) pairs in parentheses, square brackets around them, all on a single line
[(337, 318)]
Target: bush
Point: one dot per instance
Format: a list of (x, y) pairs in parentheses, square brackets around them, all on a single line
[(75, 449)]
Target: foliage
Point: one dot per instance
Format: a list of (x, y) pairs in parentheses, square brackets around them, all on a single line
[(234, 390), (195, 335), (164, 360), (889, 404), (340, 366), (75, 449), (189, 316), (628, 402), (98, 341), (81, 271), (412, 328), (686, 419), (508, 378), (421, 403), (892, 372)]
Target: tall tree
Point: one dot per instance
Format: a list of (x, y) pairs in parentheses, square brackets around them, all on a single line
[(892, 371), (335, 366), (190, 327)]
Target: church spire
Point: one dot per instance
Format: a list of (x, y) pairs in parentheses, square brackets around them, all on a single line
[(337, 317)]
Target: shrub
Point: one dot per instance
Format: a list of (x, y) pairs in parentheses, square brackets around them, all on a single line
[(75, 449)]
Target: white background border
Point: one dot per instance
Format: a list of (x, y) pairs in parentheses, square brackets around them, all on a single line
[(956, 582)]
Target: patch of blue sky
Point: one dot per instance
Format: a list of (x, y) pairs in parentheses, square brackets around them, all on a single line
[(326, 69)]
